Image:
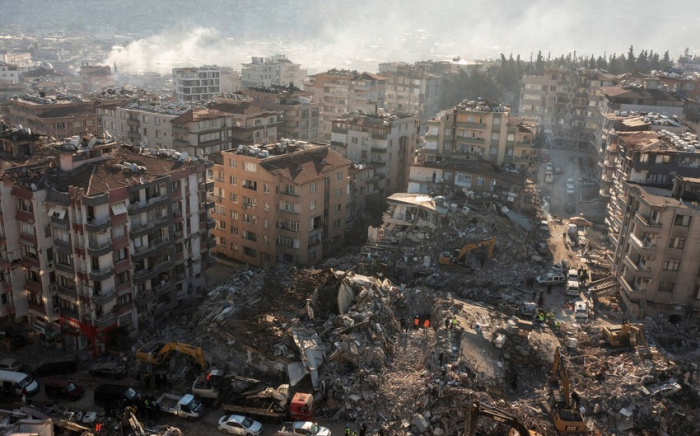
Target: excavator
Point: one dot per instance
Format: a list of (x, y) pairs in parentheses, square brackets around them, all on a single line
[(479, 409), (626, 335), (567, 416), (447, 259), (157, 353)]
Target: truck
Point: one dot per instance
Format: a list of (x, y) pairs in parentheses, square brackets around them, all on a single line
[(302, 428), (186, 406), (257, 399)]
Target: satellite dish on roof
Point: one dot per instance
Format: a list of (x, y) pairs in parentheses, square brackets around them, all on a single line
[(33, 187)]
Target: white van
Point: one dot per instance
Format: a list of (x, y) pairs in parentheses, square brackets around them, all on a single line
[(16, 382), (581, 310), (572, 288)]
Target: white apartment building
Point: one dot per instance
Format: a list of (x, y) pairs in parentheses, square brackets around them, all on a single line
[(140, 124), (196, 84), (275, 70), (9, 73)]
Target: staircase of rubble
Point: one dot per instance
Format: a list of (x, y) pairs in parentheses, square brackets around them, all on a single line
[(603, 287)]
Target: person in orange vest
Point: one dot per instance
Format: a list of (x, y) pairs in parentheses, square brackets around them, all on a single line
[(416, 322), (426, 323)]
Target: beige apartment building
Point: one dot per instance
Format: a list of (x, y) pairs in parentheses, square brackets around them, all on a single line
[(480, 130), (251, 124), (387, 141), (100, 237), (274, 70), (656, 257), (301, 114), (411, 90), (196, 84), (279, 203), (343, 91), (201, 131), (140, 123)]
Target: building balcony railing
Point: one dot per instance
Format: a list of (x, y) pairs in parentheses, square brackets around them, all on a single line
[(61, 224), (102, 273), (65, 267), (469, 125), (643, 246), (69, 293), (37, 307), (105, 320), (146, 296), (164, 288), (151, 246), (180, 143), (470, 140), (180, 129), (133, 123), (104, 297), (33, 287), (639, 269), (647, 225), (97, 224), (98, 248)]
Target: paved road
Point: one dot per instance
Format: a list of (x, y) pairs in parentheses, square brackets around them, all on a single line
[(555, 193)]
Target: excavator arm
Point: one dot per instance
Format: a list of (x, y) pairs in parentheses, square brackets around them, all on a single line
[(157, 353), (491, 242), (478, 409)]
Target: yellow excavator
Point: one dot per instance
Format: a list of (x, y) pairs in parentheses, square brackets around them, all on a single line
[(448, 259), (156, 353), (479, 409), (567, 416), (626, 335)]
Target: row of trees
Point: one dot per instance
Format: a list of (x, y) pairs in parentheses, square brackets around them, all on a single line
[(501, 82)]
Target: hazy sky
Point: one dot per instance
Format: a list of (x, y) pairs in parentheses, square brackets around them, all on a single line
[(360, 33)]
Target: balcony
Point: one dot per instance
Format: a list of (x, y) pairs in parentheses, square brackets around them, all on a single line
[(646, 224), (104, 321), (470, 140), (37, 307), (134, 123), (142, 275), (134, 135), (180, 129), (640, 270), (469, 125), (643, 246), (180, 143), (30, 262), (33, 287), (69, 293), (140, 229), (65, 268), (211, 223), (378, 150), (60, 223), (124, 308), (164, 289), (102, 273), (96, 248), (146, 296), (104, 297), (97, 224), (208, 186), (140, 251)]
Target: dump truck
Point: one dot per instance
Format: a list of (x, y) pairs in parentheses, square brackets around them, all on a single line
[(302, 428), (251, 397), (185, 406)]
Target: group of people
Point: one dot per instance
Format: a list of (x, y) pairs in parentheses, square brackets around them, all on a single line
[(159, 378), (363, 431), (419, 321)]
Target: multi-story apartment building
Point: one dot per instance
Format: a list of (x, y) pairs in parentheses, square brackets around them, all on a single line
[(343, 91), (140, 123), (201, 131), (411, 90), (56, 117), (283, 202), (646, 158), (22, 59), (96, 77), (196, 84), (9, 73), (301, 113), (656, 258), (386, 141), (251, 124), (644, 97), (275, 70), (101, 237), (566, 103), (480, 130)]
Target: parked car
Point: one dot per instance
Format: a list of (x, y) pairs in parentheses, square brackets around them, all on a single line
[(239, 425), (581, 310), (572, 274), (108, 369), (67, 364), (10, 364), (549, 166), (570, 191), (551, 279), (561, 267), (572, 288), (548, 178), (558, 170), (570, 183), (543, 225), (55, 388)]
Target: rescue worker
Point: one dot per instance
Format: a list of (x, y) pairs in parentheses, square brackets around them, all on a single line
[(550, 317), (556, 324), (416, 322), (426, 323), (454, 323), (347, 429), (540, 317)]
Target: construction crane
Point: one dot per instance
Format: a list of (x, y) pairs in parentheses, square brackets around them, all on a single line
[(567, 417), (626, 335), (447, 259), (156, 353), (478, 409)]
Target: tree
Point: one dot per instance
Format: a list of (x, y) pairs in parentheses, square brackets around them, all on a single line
[(666, 62), (630, 62), (591, 62), (601, 63), (642, 63)]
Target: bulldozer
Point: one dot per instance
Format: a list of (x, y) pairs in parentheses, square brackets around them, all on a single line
[(457, 259), (626, 335)]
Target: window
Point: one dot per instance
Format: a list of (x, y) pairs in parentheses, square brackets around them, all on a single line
[(249, 202), (284, 241), (234, 230), (234, 247), (339, 175), (123, 278), (312, 188), (233, 180), (312, 205), (118, 232), (644, 158), (30, 251), (26, 228), (25, 205), (232, 163), (682, 220), (266, 188), (480, 181), (666, 286), (250, 167), (336, 224), (233, 197), (337, 192), (120, 254), (493, 150), (250, 184), (338, 208), (676, 243), (250, 235), (250, 219), (671, 265), (664, 159), (247, 251)]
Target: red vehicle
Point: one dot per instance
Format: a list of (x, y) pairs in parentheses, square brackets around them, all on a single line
[(301, 408)]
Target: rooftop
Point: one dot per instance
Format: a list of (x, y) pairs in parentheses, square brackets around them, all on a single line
[(660, 142), (199, 114), (242, 108), (637, 91)]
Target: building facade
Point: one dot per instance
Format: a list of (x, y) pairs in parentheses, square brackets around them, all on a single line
[(202, 131), (413, 91), (146, 125), (275, 70), (280, 203), (99, 238), (96, 77), (60, 118), (196, 84), (656, 258), (480, 130), (251, 124), (385, 141), (345, 91), (9, 73), (301, 114)]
